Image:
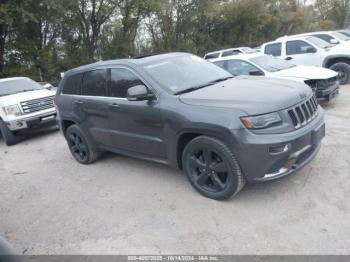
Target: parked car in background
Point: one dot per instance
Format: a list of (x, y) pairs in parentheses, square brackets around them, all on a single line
[(345, 32), (229, 52), (310, 50), (24, 104), (181, 110), (47, 85), (331, 37), (324, 82)]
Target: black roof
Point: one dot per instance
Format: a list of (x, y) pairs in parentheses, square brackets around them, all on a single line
[(137, 61)]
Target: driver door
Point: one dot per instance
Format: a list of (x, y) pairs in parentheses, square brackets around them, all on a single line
[(135, 126), (302, 53)]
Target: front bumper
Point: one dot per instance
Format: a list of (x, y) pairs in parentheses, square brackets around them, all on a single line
[(327, 94), (33, 122), (269, 157)]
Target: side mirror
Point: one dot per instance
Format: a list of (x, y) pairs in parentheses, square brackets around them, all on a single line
[(334, 41), (138, 93), (256, 73)]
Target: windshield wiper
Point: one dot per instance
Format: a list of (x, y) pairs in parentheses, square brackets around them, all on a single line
[(201, 86)]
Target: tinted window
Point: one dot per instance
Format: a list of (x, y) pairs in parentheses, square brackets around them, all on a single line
[(220, 63), (298, 47), (72, 85), (95, 83), (238, 67), (273, 49), (213, 55), (231, 52), (121, 81), (324, 37)]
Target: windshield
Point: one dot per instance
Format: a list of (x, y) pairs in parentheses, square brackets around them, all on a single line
[(271, 64), (14, 86), (340, 36), (319, 42), (180, 73)]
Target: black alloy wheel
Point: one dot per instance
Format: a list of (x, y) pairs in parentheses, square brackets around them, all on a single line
[(208, 170), (212, 168), (80, 147)]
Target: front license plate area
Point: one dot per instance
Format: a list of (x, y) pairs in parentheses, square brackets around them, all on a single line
[(47, 118)]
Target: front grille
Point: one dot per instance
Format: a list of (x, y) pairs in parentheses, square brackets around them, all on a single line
[(304, 112), (36, 105)]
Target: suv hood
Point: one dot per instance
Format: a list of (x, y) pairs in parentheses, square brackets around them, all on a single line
[(25, 96), (307, 72), (254, 95)]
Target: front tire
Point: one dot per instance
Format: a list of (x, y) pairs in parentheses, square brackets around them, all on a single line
[(343, 71), (7, 134), (80, 147), (212, 168)]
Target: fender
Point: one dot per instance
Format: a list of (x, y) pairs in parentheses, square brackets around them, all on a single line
[(330, 57)]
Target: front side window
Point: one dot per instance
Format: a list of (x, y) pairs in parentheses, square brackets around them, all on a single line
[(72, 85), (239, 67), (121, 80), (298, 47), (95, 83), (273, 49), (180, 73)]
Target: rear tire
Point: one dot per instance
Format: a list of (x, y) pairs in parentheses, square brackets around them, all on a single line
[(212, 168), (81, 148), (7, 134), (343, 70)]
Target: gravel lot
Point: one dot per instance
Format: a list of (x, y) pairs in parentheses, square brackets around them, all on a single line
[(49, 204)]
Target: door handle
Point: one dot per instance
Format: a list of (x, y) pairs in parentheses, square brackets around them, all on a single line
[(289, 58), (78, 102), (114, 106)]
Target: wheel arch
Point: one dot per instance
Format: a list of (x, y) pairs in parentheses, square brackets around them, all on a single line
[(331, 60), (188, 135)]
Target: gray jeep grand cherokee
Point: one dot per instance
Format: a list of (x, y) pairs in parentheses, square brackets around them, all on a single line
[(180, 110)]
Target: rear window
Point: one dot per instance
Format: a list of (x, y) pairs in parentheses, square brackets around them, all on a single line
[(273, 49), (212, 55), (72, 85), (95, 83)]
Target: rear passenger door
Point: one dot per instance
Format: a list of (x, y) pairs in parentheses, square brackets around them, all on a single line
[(135, 126), (93, 105)]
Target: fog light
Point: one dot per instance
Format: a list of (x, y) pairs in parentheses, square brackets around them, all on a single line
[(278, 149), (19, 124)]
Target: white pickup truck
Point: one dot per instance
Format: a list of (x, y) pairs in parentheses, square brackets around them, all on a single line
[(24, 104), (312, 51)]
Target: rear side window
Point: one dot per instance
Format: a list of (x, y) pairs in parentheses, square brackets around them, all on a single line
[(231, 52), (213, 55), (121, 80), (72, 85), (273, 49), (95, 83)]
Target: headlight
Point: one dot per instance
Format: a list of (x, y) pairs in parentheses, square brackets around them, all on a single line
[(262, 121), (12, 110)]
